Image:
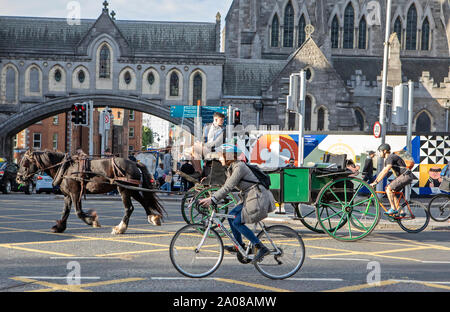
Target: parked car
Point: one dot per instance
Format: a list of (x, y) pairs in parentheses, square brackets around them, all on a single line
[(8, 183), (44, 183)]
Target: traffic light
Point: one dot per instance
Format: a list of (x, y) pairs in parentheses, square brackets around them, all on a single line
[(83, 114), (80, 114), (236, 117), (75, 114)]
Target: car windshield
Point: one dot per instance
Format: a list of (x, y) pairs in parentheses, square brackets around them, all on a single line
[(2, 165)]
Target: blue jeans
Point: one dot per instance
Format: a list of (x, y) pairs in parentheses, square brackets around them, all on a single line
[(166, 186), (238, 228)]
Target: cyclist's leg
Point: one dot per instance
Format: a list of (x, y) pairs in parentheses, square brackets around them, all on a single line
[(243, 229), (236, 233), (391, 196)]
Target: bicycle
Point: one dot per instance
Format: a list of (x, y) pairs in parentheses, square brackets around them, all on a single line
[(197, 250), (439, 207), (412, 217)]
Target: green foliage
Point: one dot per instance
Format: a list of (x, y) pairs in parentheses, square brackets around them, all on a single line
[(147, 136)]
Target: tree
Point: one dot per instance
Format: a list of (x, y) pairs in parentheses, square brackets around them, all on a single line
[(147, 136)]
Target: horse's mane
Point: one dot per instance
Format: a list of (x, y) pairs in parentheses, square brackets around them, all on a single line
[(50, 156)]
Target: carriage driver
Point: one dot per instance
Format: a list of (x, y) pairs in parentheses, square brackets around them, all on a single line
[(257, 200)]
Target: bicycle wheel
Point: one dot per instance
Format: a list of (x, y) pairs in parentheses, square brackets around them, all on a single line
[(185, 202), (439, 208), (286, 258), (416, 218), (344, 200), (198, 214), (192, 259)]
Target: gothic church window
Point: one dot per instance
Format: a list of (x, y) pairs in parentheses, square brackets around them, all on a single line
[(275, 32), (349, 26), (301, 30), (398, 29), (127, 77), (362, 38), (81, 76), (105, 68), (174, 84), (423, 123), (151, 78), (321, 119), (411, 28), (198, 87), (10, 85), (359, 119), (34, 80), (335, 33), (425, 35), (288, 35)]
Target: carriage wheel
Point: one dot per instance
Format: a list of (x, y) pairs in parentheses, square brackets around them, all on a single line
[(351, 202), (307, 216), (199, 214)]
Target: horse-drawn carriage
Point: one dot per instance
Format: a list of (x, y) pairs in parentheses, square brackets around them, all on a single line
[(326, 200)]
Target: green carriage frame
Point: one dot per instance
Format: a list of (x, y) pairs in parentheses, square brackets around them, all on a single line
[(345, 207)]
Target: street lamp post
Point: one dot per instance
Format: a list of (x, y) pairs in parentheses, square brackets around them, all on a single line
[(384, 86)]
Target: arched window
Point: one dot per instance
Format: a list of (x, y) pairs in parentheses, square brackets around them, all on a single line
[(426, 35), (288, 35), (423, 123), (58, 75), (81, 76), (10, 85), (362, 38), (127, 77), (359, 120), (308, 111), (349, 26), (198, 89), (174, 84), (411, 28), (398, 28), (301, 30), (151, 78), (321, 119), (335, 33), (34, 80), (105, 68), (275, 32)]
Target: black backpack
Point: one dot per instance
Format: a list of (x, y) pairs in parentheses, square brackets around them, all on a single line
[(263, 178)]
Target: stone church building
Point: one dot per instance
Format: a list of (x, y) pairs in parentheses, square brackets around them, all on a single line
[(267, 40), (47, 64)]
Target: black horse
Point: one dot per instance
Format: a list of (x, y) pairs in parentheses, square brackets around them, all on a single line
[(98, 179)]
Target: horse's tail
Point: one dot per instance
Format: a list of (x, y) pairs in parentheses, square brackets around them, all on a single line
[(150, 198)]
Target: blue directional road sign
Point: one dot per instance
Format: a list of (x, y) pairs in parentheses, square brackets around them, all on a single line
[(206, 112)]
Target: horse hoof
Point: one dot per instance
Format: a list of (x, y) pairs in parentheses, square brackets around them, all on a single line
[(120, 229), (155, 220)]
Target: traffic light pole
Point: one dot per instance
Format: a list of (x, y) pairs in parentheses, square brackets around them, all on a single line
[(91, 127)]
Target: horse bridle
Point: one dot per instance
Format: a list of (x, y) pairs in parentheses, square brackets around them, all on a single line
[(39, 165)]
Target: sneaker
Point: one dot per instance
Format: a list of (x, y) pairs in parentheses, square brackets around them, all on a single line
[(391, 212), (262, 251)]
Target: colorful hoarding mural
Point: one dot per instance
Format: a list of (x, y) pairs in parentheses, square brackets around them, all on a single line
[(274, 149)]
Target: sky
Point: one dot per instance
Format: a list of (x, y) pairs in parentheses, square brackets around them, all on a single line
[(149, 10)]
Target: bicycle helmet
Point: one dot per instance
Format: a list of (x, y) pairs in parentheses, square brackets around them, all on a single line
[(384, 147)]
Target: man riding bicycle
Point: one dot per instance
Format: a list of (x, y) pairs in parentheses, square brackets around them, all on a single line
[(257, 200), (403, 175)]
